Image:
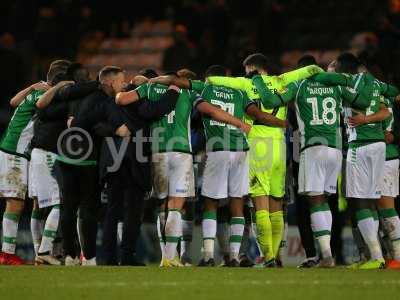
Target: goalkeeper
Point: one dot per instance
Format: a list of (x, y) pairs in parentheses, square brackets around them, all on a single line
[(267, 152)]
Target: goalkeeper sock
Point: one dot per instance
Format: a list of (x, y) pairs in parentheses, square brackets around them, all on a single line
[(277, 225), (321, 227), (209, 227), (391, 223), (160, 228), (264, 233), (368, 229), (173, 233), (187, 235), (235, 239), (10, 230), (50, 230), (37, 225)]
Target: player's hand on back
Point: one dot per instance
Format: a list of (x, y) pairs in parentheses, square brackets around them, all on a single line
[(358, 119), (123, 131), (64, 83), (389, 137), (244, 127)]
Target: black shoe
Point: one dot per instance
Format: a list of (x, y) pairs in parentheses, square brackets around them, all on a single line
[(311, 263), (225, 261), (234, 264), (208, 263), (245, 262), (131, 261), (278, 263)]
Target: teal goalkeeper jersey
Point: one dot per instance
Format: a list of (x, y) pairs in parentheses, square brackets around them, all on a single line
[(221, 136), (172, 132), (19, 132)]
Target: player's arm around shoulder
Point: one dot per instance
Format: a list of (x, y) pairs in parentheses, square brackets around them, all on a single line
[(239, 83), (20, 96), (265, 118), (388, 90), (332, 78), (126, 98), (299, 74), (48, 96), (360, 118), (270, 99)]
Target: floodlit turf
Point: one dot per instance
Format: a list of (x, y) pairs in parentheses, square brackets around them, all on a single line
[(72, 283)]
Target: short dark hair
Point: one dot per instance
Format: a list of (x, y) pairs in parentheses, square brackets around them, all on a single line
[(347, 63), (148, 73), (216, 70), (186, 73), (109, 70), (57, 71), (60, 62), (258, 60), (306, 60), (77, 72)]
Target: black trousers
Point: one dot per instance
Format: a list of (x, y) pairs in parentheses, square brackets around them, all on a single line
[(79, 189), (126, 203)]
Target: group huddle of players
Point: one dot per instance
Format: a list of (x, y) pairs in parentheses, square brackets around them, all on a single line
[(244, 121)]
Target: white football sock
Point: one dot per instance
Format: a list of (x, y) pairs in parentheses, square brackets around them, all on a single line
[(10, 230), (160, 228), (236, 234), (173, 233), (37, 225), (209, 228), (187, 234), (50, 230), (369, 232)]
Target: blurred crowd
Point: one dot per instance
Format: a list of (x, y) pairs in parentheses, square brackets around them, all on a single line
[(34, 32)]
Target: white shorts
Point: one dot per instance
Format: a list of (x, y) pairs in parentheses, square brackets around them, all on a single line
[(41, 183), (319, 170), (226, 174), (364, 171), (390, 180), (13, 176), (173, 175)]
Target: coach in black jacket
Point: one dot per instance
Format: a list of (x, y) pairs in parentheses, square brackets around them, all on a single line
[(124, 167)]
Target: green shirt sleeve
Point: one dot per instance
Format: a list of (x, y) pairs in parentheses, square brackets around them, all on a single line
[(332, 79), (197, 85), (354, 98), (388, 90), (270, 99), (246, 101), (238, 83), (142, 90), (299, 74)]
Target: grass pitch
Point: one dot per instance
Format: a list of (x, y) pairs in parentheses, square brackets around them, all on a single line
[(111, 283)]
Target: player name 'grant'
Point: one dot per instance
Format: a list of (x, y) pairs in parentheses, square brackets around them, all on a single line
[(224, 95)]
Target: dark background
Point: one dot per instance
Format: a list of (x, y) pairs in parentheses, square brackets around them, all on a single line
[(32, 33)]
